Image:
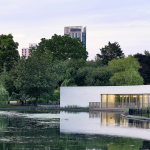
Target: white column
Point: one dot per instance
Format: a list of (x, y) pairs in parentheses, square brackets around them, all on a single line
[(136, 100), (143, 100), (129, 100), (148, 99), (122, 101)]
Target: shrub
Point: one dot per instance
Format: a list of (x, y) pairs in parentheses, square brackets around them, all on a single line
[(126, 111), (56, 96), (3, 94)]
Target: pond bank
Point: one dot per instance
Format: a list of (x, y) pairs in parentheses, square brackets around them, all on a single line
[(135, 117), (64, 109)]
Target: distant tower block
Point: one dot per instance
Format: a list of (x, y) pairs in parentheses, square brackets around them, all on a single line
[(76, 32)]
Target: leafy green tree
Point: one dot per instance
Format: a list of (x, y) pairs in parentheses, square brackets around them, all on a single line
[(124, 64), (127, 77), (72, 66), (99, 77), (94, 63), (125, 71), (147, 53), (7, 79), (3, 95), (109, 52), (60, 68), (36, 75), (63, 47), (82, 73), (144, 61), (8, 52)]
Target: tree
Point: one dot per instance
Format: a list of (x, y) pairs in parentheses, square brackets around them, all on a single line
[(94, 63), (125, 71), (127, 77), (109, 52), (63, 47), (147, 53), (144, 61), (7, 79), (36, 75), (81, 75), (3, 95), (8, 52), (123, 64), (72, 66), (99, 77)]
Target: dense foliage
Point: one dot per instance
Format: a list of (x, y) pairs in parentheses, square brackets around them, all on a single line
[(125, 71), (144, 71), (3, 95), (109, 52), (8, 52), (63, 47), (36, 76)]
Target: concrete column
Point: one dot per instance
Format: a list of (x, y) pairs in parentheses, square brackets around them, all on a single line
[(122, 100), (136, 101), (106, 100), (148, 99), (126, 101), (129, 100), (101, 100), (143, 100)]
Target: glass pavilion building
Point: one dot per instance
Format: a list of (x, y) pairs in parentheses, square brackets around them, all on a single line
[(136, 96)]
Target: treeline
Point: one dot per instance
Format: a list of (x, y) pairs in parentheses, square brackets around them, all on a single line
[(62, 61)]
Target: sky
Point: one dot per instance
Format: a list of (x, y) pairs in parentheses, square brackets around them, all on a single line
[(124, 21)]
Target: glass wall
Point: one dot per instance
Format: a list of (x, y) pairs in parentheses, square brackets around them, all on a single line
[(72, 35), (79, 35), (122, 101), (104, 100)]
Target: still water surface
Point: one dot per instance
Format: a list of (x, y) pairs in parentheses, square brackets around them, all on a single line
[(71, 131)]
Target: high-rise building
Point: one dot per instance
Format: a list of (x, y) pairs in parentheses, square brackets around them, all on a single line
[(26, 51), (84, 36), (76, 32)]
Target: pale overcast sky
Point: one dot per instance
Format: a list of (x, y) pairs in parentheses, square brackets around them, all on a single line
[(124, 21)]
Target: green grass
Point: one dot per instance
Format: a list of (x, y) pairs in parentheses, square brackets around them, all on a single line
[(126, 111), (43, 107), (75, 107)]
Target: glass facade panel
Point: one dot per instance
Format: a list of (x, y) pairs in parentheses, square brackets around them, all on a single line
[(76, 35), (146, 100), (123, 101), (111, 100), (75, 30), (79, 35), (104, 100), (141, 97), (72, 35)]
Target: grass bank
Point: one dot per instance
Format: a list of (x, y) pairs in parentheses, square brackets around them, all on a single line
[(24, 107)]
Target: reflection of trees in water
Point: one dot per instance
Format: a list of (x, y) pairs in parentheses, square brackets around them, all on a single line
[(3, 122), (146, 145), (44, 134)]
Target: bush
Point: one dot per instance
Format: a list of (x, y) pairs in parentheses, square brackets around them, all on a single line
[(126, 111), (31, 101), (41, 101), (56, 96), (3, 94)]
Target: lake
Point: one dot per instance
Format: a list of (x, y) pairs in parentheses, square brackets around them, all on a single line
[(48, 130)]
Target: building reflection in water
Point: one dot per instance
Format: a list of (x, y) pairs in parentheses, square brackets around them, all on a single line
[(115, 119)]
